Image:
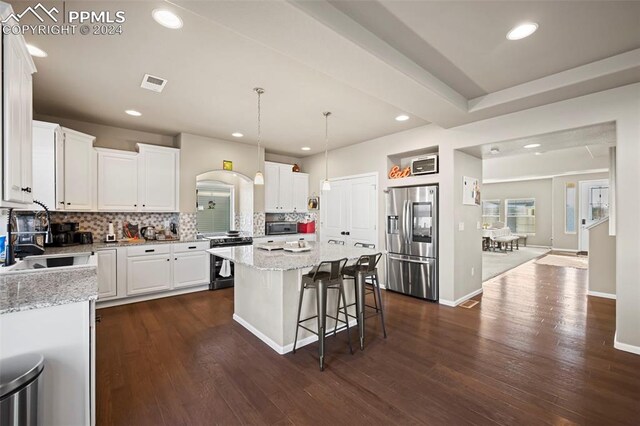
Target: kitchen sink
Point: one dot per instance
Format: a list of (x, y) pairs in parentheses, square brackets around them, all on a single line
[(57, 261)]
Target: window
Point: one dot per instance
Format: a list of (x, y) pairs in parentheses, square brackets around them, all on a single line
[(215, 207), (521, 215), (490, 211), (570, 208), (598, 202)]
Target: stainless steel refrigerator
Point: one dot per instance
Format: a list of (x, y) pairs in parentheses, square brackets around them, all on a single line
[(412, 241)]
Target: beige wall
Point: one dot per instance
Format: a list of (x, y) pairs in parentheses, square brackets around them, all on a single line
[(112, 137), (468, 268), (286, 159), (602, 260), (199, 154), (541, 190), (562, 240)]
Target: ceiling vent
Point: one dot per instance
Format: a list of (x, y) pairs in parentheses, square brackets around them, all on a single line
[(153, 83)]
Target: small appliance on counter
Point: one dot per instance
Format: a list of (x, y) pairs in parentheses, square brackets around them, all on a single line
[(83, 237), (307, 227), (148, 232), (64, 234), (281, 228), (111, 234)]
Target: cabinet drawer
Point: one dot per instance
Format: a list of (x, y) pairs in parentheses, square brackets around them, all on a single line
[(190, 247), (148, 250)]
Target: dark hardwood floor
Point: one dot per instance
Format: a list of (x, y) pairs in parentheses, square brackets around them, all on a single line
[(536, 350)]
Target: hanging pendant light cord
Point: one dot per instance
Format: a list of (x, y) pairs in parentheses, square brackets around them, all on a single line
[(326, 145), (259, 91)]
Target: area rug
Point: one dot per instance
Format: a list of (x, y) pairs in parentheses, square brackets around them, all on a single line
[(495, 263), (566, 261)]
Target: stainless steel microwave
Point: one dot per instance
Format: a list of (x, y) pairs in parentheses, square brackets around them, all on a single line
[(424, 165)]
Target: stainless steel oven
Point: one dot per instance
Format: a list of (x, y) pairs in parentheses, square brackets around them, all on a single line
[(222, 270), (281, 228)]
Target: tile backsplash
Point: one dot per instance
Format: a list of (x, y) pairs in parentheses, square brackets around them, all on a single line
[(98, 223)]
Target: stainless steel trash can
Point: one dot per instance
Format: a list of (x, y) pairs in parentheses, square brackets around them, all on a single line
[(19, 378)]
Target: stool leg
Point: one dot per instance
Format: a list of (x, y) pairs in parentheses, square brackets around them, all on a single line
[(377, 290), (321, 291), (295, 339), (346, 317), (375, 298), (337, 312)]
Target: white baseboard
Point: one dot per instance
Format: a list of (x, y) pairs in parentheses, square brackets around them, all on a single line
[(286, 348), (625, 347), (565, 249), (600, 294), (142, 298), (454, 303)]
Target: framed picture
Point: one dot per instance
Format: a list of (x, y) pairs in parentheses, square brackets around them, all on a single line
[(314, 202), (470, 191), (227, 165)]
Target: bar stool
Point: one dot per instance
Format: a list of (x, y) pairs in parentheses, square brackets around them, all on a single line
[(363, 270), (322, 280)]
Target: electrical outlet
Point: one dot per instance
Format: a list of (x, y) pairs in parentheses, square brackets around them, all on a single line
[(461, 226)]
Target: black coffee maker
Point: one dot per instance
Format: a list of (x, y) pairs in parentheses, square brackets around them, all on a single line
[(64, 234)]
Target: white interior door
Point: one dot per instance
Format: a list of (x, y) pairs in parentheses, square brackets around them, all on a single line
[(594, 206), (349, 211)]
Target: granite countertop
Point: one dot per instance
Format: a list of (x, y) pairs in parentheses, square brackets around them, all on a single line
[(279, 260), (297, 234), (34, 289), (87, 248)]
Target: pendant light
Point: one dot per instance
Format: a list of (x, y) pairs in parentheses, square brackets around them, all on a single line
[(259, 177), (326, 185)]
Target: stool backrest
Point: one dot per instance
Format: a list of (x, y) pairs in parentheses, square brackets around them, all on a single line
[(368, 262), (335, 268), (365, 245), (339, 242)]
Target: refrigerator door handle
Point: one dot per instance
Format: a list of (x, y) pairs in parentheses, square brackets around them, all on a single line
[(407, 224), (407, 259)]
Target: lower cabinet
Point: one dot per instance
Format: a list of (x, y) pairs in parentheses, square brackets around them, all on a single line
[(107, 274), (148, 273), (190, 269)]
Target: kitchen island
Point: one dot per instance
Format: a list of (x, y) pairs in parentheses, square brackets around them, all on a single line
[(267, 286)]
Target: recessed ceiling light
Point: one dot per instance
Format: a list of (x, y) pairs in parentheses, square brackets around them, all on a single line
[(133, 112), (532, 145), (521, 31), (305, 148), (402, 117), (495, 151), (237, 134), (538, 153), (167, 18), (36, 51)]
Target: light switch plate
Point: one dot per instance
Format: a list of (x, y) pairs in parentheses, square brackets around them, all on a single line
[(461, 226)]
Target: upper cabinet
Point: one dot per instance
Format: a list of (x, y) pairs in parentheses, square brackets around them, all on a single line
[(284, 190), (78, 172), (17, 113), (158, 178), (117, 180)]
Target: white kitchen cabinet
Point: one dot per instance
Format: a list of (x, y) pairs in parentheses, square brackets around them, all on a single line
[(158, 178), (47, 144), (284, 238), (117, 180), (148, 273), (78, 171), (300, 192), (107, 273), (279, 182), (17, 105), (190, 269)]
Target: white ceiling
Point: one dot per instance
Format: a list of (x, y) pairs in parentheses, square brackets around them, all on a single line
[(366, 61)]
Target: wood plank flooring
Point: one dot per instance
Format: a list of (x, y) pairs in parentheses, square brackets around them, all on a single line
[(535, 350)]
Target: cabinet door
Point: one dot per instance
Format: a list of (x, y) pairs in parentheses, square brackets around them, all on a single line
[(286, 189), (13, 143), (300, 192), (190, 269), (79, 171), (117, 181), (26, 133), (146, 274), (44, 152), (271, 188), (158, 180), (107, 274)]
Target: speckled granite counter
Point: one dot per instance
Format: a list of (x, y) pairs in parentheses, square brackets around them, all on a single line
[(24, 290), (280, 260), (88, 248)]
